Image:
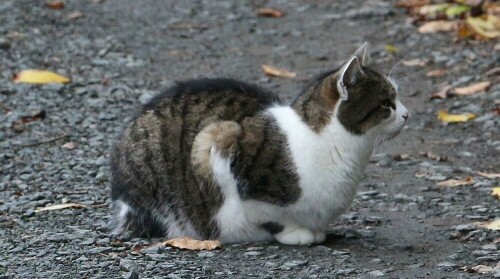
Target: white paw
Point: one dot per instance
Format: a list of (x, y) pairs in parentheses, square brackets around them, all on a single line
[(296, 236), (319, 237)]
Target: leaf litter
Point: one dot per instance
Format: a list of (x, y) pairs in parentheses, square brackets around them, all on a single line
[(277, 72), (39, 77), (456, 182), (445, 117)]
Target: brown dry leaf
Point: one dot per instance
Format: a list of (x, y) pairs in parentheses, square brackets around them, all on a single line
[(277, 72), (193, 244), (491, 225), (39, 77), (34, 116), (415, 62), (493, 72), (495, 192), (436, 73), (454, 118), (270, 12), (55, 4), (455, 182), (434, 157), (75, 15), (441, 94), (489, 175), (437, 26), (472, 89), (411, 4), (60, 206), (69, 145)]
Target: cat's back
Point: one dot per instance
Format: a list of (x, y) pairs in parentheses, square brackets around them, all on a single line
[(223, 98)]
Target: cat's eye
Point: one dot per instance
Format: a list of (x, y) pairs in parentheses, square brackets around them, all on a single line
[(388, 104)]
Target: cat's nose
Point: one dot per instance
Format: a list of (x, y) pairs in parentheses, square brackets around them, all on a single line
[(406, 115)]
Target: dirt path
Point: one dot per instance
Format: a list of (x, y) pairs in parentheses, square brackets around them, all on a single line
[(121, 52)]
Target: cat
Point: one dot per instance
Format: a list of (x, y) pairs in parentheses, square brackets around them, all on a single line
[(224, 159)]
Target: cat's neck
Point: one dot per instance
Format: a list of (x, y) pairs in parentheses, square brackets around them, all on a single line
[(316, 104)]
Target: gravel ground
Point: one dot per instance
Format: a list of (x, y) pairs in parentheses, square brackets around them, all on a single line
[(121, 52)]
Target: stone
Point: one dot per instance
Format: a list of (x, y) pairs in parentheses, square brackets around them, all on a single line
[(293, 264)]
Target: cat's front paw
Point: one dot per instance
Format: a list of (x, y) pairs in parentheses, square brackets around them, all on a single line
[(296, 236)]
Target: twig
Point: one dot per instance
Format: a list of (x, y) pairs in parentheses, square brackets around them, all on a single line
[(45, 141)]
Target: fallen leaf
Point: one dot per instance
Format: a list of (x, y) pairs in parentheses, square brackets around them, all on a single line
[(60, 206), (34, 116), (75, 15), (472, 89), (486, 27), (415, 62), (270, 12), (277, 72), (481, 269), (493, 72), (193, 244), (441, 94), (456, 10), (453, 118), (436, 73), (69, 145), (491, 225), (432, 11), (391, 48), (434, 157), (455, 182), (137, 248), (489, 175), (437, 26), (39, 77), (411, 4), (495, 192), (55, 4)]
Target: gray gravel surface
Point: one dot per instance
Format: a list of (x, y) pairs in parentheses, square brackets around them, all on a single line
[(122, 52)]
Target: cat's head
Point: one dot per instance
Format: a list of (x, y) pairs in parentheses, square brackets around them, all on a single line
[(364, 101)]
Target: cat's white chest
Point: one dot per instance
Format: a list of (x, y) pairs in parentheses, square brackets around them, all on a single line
[(329, 165)]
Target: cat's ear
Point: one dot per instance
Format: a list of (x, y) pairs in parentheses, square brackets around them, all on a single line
[(349, 75), (362, 54)]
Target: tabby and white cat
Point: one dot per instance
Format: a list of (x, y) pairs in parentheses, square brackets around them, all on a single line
[(223, 159)]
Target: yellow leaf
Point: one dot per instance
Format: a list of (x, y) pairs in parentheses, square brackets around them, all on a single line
[(473, 88), (456, 182), (487, 27), (491, 225), (60, 206), (496, 192), (193, 244), (452, 118), (437, 26), (39, 77), (277, 72), (489, 175), (391, 48)]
